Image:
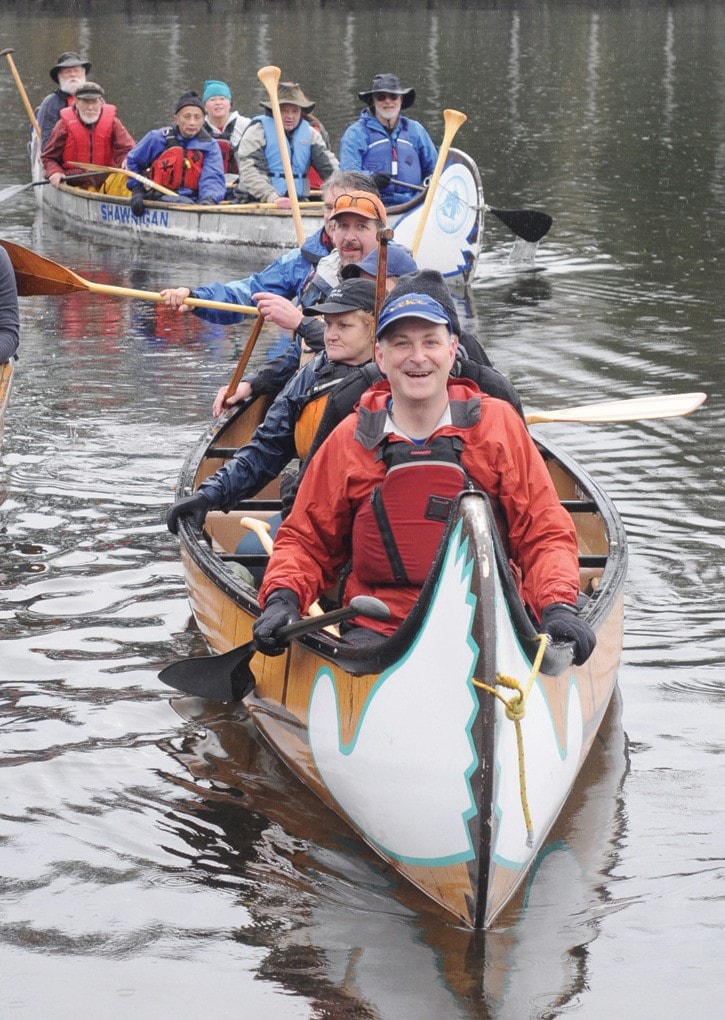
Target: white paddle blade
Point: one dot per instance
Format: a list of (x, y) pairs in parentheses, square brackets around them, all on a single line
[(637, 409)]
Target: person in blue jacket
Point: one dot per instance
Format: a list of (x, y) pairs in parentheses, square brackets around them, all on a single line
[(288, 276), (382, 142), (182, 157)]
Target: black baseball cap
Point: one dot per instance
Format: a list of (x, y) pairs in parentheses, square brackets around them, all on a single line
[(349, 296)]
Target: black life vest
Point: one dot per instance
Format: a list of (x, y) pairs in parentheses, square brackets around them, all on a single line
[(397, 531)]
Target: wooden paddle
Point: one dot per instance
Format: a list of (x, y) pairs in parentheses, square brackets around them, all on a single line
[(269, 77), (381, 271), (244, 358), (126, 173), (636, 409), (37, 275), (228, 677), (452, 120), (21, 90), (245, 206)]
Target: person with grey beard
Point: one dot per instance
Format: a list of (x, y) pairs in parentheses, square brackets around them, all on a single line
[(87, 132), (69, 73)]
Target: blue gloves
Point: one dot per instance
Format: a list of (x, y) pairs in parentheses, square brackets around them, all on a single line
[(562, 623), (282, 607), (196, 507)]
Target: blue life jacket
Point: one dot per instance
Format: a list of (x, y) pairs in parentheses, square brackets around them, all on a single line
[(391, 152), (299, 147)]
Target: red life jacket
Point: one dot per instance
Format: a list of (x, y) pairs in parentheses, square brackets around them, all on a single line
[(222, 138), (397, 531), (89, 143), (177, 167)]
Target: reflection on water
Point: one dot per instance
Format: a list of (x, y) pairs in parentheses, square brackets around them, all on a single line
[(156, 856)]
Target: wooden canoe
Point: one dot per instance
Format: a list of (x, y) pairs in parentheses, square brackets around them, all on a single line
[(409, 745), (451, 241), (6, 382)]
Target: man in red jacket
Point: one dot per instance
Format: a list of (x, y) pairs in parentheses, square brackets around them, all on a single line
[(418, 408), (87, 132)]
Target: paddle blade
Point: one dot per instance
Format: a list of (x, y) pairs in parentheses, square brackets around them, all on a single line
[(228, 677), (37, 275), (664, 405), (529, 224), (224, 677), (15, 189)]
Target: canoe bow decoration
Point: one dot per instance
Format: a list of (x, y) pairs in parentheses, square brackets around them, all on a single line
[(422, 703), (413, 744)]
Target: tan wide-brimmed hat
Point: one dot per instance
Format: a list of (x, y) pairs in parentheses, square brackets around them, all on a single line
[(290, 92)]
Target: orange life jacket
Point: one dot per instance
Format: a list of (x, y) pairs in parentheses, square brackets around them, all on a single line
[(177, 167), (89, 143)]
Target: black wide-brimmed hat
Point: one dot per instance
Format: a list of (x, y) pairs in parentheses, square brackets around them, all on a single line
[(389, 83), (69, 59)]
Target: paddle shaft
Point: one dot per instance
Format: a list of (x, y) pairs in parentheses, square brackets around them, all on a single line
[(381, 274), (126, 173), (269, 77), (637, 409), (149, 295), (245, 206), (244, 358), (452, 120), (23, 94), (17, 189)]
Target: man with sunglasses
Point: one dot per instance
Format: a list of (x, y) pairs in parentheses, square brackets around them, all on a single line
[(398, 151)]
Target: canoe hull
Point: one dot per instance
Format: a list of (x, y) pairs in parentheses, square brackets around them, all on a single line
[(451, 242), (411, 748)]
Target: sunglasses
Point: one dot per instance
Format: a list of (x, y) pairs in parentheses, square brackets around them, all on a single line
[(366, 206), (380, 96)]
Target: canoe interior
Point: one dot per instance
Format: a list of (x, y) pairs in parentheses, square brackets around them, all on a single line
[(404, 744)]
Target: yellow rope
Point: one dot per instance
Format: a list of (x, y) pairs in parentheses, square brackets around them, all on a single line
[(516, 710)]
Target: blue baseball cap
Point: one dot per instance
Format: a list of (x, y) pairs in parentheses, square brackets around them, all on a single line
[(413, 306), (400, 263)]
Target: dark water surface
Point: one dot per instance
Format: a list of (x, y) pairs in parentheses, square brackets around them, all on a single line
[(155, 859)]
